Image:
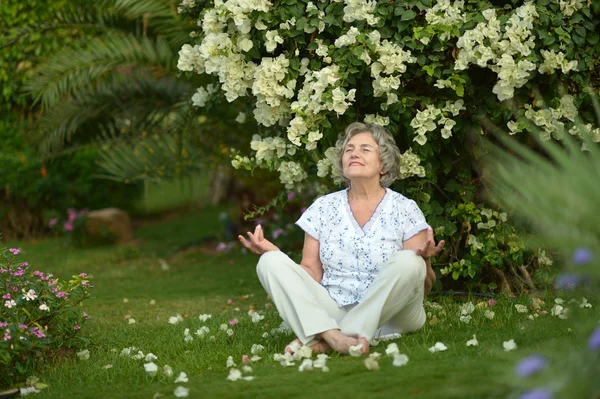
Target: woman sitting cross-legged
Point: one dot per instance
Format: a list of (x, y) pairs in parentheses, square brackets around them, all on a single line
[(365, 263)]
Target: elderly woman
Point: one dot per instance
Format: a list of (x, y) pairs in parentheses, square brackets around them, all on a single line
[(365, 263)]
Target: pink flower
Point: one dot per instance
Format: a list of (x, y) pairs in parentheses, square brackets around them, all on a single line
[(7, 335), (76, 327), (246, 359), (14, 251), (68, 226), (85, 315), (24, 264), (61, 294), (36, 331), (22, 326), (3, 324), (221, 247), (230, 301), (233, 321), (82, 275), (52, 222), (492, 302), (6, 296), (291, 195)]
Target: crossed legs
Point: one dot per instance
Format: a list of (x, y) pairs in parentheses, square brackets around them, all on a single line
[(396, 296)]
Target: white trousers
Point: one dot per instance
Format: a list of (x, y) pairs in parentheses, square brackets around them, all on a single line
[(392, 304)]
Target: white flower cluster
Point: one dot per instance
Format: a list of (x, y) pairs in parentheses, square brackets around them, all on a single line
[(568, 7), (360, 10), (487, 47), (310, 102), (202, 95), (239, 162), (446, 14), (267, 78), (386, 71), (548, 119), (587, 129), (270, 148), (291, 173), (348, 38), (554, 61), (325, 165), (377, 119), (425, 121), (410, 165), (185, 4)]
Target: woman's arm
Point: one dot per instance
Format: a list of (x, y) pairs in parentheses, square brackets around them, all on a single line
[(311, 260), (423, 244)]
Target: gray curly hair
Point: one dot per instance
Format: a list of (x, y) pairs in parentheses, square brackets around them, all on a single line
[(389, 153)]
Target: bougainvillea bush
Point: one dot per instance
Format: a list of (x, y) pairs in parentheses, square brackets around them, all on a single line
[(40, 313), (438, 74)]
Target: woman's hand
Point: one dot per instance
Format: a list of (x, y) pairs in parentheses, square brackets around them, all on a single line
[(257, 243), (428, 249)]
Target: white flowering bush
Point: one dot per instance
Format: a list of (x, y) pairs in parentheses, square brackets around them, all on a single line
[(40, 312), (438, 74)]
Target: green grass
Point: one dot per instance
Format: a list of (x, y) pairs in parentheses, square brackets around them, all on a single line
[(199, 281), (187, 192)]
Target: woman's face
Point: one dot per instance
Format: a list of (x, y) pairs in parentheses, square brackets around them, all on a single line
[(361, 158)]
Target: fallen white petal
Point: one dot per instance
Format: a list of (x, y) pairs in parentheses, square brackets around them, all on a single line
[(438, 347), (181, 378), (473, 342), (234, 375), (392, 349), (307, 365), (356, 350), (400, 360), (509, 345), (371, 364), (181, 392)]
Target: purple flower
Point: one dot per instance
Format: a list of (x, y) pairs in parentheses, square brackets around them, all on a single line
[(36, 331), (221, 247), (291, 195), (278, 232), (594, 342), (14, 251), (539, 393), (568, 281), (22, 326), (582, 256), (531, 365)]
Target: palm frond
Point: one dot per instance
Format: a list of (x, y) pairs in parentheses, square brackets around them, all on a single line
[(139, 98), (72, 71), (154, 158)]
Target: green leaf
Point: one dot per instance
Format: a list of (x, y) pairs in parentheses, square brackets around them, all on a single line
[(408, 15)]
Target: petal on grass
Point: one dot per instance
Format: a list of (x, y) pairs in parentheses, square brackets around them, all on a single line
[(509, 345), (181, 392), (356, 350), (400, 360), (473, 342), (438, 347)]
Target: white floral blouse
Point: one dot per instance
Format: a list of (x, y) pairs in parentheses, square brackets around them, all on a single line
[(351, 255)]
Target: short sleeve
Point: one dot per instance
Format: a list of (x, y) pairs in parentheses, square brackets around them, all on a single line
[(310, 221), (413, 220)]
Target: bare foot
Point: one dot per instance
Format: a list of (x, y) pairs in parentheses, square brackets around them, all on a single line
[(319, 347), (342, 343)]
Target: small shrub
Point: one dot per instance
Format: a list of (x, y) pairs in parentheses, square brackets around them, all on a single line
[(40, 313)]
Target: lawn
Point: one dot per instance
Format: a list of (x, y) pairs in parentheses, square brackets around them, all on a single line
[(158, 279)]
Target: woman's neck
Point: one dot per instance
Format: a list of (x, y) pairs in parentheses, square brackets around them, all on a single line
[(369, 192)]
